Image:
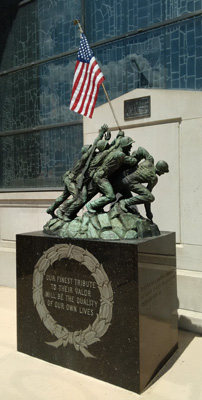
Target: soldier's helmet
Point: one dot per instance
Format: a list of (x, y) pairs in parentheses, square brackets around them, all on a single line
[(85, 148), (102, 144), (126, 141), (162, 166)]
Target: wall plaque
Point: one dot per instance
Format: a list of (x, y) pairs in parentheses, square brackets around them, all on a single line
[(137, 108)]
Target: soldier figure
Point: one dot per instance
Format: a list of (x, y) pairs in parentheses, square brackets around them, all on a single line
[(111, 163), (71, 178), (110, 170), (146, 172), (90, 188)]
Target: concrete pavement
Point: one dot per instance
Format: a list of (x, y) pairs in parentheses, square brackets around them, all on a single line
[(26, 378)]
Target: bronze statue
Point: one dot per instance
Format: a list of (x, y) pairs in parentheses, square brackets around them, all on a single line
[(145, 172), (120, 178), (72, 178), (111, 163)]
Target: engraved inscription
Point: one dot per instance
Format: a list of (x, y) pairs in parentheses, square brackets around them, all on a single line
[(71, 294), (57, 293), (152, 290)]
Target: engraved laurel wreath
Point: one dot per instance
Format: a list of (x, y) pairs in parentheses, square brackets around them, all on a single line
[(92, 334)]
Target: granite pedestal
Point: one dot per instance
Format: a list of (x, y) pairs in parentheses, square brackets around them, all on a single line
[(107, 309)]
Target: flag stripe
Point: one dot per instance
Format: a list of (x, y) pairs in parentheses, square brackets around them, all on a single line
[(83, 93), (77, 74), (92, 89), (93, 72), (88, 85), (79, 89), (77, 85), (95, 97), (87, 80)]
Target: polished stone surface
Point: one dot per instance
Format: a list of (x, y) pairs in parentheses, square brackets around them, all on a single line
[(104, 309)]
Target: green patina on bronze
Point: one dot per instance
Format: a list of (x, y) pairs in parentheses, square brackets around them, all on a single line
[(124, 180)]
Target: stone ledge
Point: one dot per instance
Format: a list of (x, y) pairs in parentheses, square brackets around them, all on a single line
[(189, 289), (190, 320)]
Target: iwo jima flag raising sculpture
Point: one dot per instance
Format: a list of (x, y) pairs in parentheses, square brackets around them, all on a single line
[(122, 179), (87, 79)]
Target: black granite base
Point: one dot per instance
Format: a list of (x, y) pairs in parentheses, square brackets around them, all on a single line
[(104, 309)]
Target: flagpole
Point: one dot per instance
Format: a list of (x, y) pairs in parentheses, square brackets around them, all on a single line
[(110, 104), (77, 22)]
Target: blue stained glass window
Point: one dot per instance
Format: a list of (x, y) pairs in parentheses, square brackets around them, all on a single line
[(167, 58), (110, 18), (55, 91), (47, 155), (19, 100), (41, 29), (112, 60), (19, 41), (57, 33), (34, 96), (37, 96)]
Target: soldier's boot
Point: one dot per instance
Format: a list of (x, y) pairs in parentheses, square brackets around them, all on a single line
[(50, 210), (123, 205), (90, 208), (130, 204), (66, 218), (60, 214)]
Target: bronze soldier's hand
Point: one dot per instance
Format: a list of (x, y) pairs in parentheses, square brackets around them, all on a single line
[(103, 128), (120, 134), (108, 135)]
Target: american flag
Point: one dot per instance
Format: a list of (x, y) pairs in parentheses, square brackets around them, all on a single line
[(87, 80)]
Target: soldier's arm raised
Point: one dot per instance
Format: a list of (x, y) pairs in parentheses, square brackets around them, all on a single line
[(141, 153), (102, 131)]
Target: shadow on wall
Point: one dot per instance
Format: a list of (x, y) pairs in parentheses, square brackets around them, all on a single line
[(186, 324), (8, 11)]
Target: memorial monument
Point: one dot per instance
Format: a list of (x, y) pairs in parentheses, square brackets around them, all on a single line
[(109, 169), (97, 292)]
